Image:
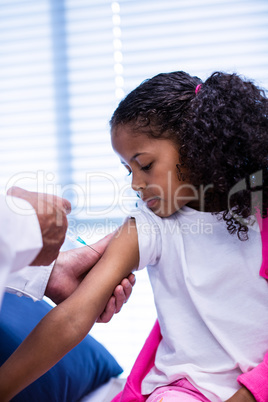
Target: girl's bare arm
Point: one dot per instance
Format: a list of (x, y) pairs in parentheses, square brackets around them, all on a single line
[(68, 323)]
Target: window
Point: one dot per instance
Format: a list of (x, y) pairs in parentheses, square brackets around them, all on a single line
[(64, 66)]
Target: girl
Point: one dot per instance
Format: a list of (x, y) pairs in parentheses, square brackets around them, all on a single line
[(197, 154)]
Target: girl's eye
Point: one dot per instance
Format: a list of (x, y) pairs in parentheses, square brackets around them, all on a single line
[(128, 170), (147, 167)]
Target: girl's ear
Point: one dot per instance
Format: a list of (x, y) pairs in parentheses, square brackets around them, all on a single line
[(181, 176)]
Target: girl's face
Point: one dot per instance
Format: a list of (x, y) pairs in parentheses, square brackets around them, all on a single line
[(152, 164)]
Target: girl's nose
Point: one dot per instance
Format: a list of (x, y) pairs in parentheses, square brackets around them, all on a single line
[(137, 183)]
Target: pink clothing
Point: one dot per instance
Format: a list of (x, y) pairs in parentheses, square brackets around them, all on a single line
[(264, 235), (143, 364), (256, 380), (181, 390)]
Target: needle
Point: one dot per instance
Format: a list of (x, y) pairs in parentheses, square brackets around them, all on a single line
[(73, 237)]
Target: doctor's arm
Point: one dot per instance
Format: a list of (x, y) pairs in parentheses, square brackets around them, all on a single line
[(68, 323)]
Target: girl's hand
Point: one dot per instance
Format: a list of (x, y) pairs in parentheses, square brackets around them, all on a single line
[(242, 395)]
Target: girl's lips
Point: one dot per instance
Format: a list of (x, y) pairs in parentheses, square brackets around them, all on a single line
[(151, 203)]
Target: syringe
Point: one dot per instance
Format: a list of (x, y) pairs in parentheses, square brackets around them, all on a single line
[(74, 238)]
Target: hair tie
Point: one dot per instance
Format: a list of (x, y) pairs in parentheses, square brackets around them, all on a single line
[(197, 89)]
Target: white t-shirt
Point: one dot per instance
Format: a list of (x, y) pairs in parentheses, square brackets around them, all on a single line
[(210, 300), (20, 242)]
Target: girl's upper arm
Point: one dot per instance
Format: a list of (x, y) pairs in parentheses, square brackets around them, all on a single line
[(119, 259)]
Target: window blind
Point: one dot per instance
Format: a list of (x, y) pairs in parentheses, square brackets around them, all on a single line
[(65, 65)]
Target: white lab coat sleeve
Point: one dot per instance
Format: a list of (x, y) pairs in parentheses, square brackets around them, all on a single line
[(29, 281), (20, 239)]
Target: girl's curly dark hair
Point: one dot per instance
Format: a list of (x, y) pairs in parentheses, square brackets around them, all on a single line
[(221, 132)]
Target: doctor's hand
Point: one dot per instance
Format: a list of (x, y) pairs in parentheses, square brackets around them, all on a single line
[(71, 267), (242, 395), (120, 296), (51, 212)]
